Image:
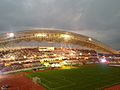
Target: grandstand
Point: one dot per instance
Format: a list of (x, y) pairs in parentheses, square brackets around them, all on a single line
[(49, 48)]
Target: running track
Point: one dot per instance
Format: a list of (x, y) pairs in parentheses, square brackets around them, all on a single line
[(19, 82)]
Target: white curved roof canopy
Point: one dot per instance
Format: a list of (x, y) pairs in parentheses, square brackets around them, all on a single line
[(56, 35)]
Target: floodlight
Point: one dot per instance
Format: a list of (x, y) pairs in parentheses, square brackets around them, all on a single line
[(19, 62), (71, 54), (90, 39), (40, 35), (89, 53), (12, 57), (103, 60), (10, 35), (24, 56), (66, 36), (80, 53)]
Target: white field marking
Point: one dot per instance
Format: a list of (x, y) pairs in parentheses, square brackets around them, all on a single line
[(71, 83)]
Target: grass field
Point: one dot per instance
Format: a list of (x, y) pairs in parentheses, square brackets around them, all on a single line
[(87, 77)]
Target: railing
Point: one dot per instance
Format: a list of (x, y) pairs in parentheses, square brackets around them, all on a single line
[(8, 72)]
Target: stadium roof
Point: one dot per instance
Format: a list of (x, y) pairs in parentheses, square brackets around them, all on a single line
[(56, 35)]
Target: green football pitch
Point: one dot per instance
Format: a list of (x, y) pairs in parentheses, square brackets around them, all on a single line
[(87, 77)]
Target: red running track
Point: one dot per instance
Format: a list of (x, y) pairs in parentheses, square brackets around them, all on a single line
[(19, 82), (116, 87)]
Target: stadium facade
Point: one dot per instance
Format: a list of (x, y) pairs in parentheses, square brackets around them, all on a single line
[(14, 57)]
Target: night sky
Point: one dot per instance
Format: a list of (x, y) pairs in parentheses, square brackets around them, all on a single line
[(99, 19)]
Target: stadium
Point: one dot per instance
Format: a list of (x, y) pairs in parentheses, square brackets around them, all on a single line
[(38, 49)]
